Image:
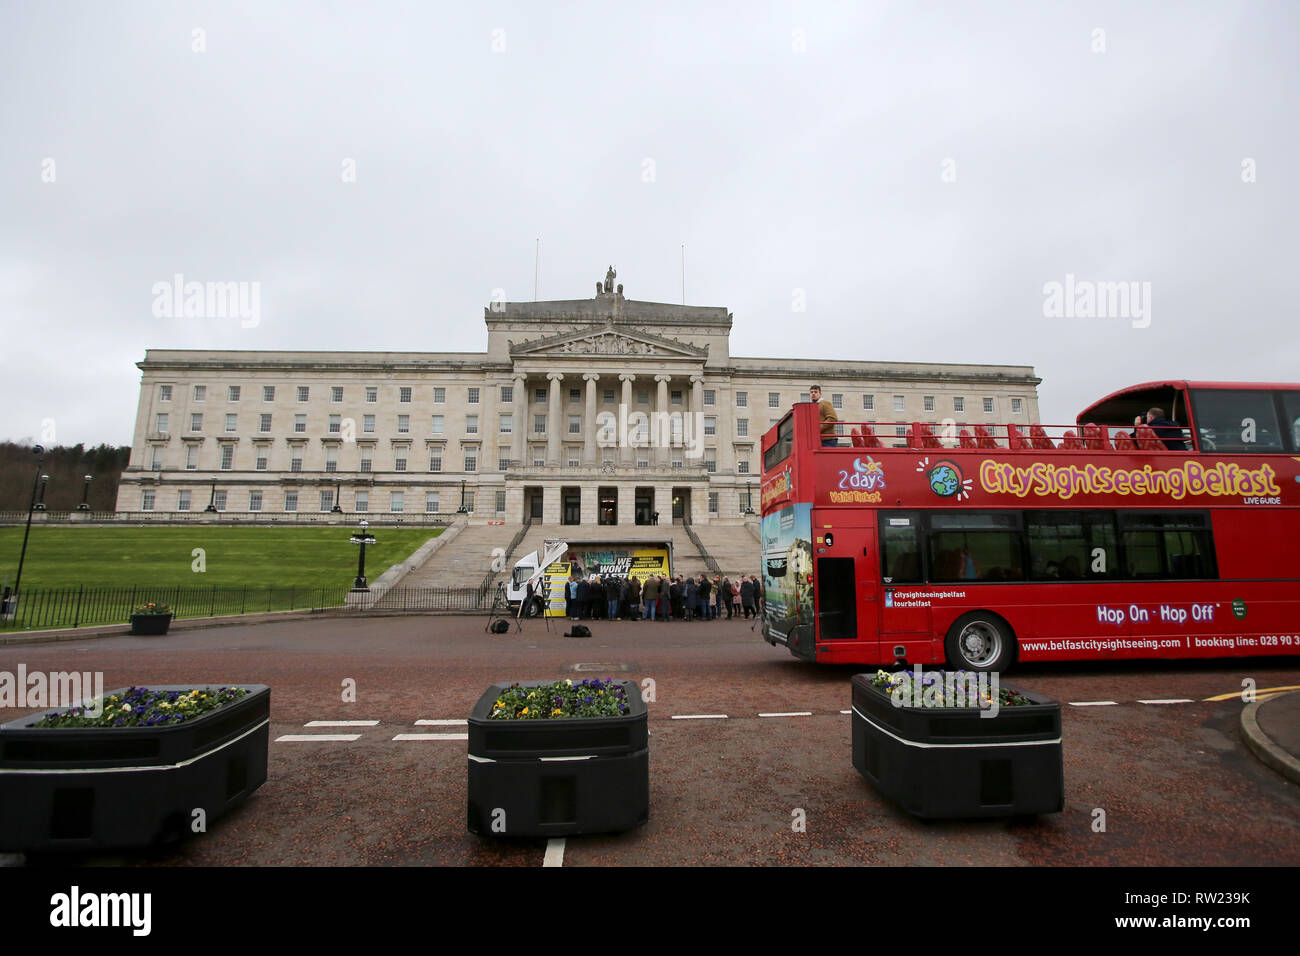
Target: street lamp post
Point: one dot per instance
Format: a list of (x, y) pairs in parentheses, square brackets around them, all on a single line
[(212, 501), (22, 556), (362, 538), (338, 485), (85, 495), (461, 510), (40, 505), (749, 497)]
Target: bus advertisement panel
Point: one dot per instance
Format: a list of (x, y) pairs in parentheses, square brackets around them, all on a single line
[(787, 568)]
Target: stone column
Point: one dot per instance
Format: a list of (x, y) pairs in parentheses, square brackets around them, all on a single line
[(664, 504), (589, 421), (550, 504), (590, 503), (661, 450), (626, 454), (694, 436), (519, 447), (627, 503), (553, 426)]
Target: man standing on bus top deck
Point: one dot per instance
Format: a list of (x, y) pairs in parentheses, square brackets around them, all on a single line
[(826, 413), (1169, 432)]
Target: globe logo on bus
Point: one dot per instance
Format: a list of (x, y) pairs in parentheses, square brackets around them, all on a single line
[(945, 479)]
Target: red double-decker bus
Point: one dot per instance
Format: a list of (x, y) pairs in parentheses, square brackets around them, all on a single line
[(981, 545)]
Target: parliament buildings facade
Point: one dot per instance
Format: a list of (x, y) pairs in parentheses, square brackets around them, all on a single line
[(587, 411)]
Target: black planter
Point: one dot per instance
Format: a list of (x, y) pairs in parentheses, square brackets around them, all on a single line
[(945, 762), (99, 788), (150, 624), (556, 778)]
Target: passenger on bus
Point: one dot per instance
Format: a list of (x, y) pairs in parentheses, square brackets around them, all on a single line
[(1169, 432), (826, 414)]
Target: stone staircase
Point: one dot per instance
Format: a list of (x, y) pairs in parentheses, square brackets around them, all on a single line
[(462, 563)]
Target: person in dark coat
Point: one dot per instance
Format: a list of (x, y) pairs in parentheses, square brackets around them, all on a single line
[(598, 603), (724, 596), (633, 599), (675, 598), (690, 597), (706, 607), (1169, 432), (663, 598), (584, 598), (747, 596)]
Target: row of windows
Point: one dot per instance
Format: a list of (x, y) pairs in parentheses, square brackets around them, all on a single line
[(186, 501), (337, 392), (953, 546)]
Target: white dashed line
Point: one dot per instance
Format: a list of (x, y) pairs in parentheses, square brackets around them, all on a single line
[(554, 853), (699, 717), (441, 723), (1093, 703), (324, 738), (793, 713), (341, 723), (1172, 700), (846, 711), (432, 737)]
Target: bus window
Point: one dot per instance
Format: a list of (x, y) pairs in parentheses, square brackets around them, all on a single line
[(900, 547), (1236, 421), (975, 546), (1291, 409), (784, 444), (1168, 545), (1071, 545)]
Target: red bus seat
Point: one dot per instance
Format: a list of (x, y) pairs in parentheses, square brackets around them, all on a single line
[(856, 436), (966, 438), (1038, 437), (1071, 441), (1094, 438), (927, 436), (869, 439), (1124, 443), (1147, 439), (1015, 439), (983, 439)]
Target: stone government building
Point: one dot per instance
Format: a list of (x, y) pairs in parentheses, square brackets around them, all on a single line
[(517, 430)]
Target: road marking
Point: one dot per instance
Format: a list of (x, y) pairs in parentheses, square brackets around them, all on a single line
[(341, 723), (441, 723), (1262, 690), (432, 737), (1172, 700), (793, 713), (846, 711), (324, 738), (1093, 703), (554, 852), (699, 717)]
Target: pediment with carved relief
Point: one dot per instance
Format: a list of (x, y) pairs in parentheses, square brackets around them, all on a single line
[(606, 340)]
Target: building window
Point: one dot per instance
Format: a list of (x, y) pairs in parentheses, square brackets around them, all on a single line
[(643, 398), (196, 421), (291, 501), (469, 501), (900, 403), (675, 396), (264, 422), (435, 461), (710, 464), (539, 424), (1016, 406), (219, 501), (837, 399), (503, 464), (742, 427), (368, 423), (575, 425), (232, 393), (573, 461), (261, 459), (336, 424), (431, 502), (471, 424), (507, 394), (473, 395), (372, 394), (539, 396), (710, 425), (440, 396), (713, 502), (395, 501), (146, 500), (609, 396), (366, 460), (268, 393), (155, 463), (331, 459), (710, 396), (506, 424), (227, 457), (900, 431), (404, 394), (399, 461), (254, 501), (643, 462), (805, 397), (295, 460), (500, 501), (869, 403), (988, 406), (676, 463), (200, 393), (773, 399), (326, 500), (164, 393), (575, 396), (927, 403), (304, 393), (403, 423), (336, 393), (183, 501), (742, 399), (191, 457), (958, 404), (160, 424), (232, 423), (742, 466), (361, 502), (300, 423), (437, 425), (539, 462), (471, 462)]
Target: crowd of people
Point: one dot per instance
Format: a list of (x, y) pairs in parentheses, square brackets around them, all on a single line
[(660, 598)]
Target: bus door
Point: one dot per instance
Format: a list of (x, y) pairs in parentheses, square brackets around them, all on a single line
[(904, 603), (844, 579)]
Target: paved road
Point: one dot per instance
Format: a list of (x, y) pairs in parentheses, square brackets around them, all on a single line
[(1175, 782)]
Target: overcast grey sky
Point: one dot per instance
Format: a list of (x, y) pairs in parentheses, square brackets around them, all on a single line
[(920, 171)]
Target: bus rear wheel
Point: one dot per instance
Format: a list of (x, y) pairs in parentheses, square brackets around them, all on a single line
[(979, 642)]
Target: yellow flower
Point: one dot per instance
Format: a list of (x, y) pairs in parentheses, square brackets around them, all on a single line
[(126, 706), (524, 711), (164, 705), (600, 693), (556, 711)]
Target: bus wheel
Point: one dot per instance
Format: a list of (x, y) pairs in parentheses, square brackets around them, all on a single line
[(979, 642)]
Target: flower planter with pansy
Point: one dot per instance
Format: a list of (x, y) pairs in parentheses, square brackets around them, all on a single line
[(151, 619), (138, 766), (558, 758)]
